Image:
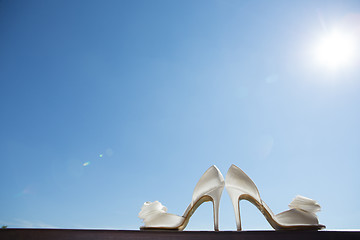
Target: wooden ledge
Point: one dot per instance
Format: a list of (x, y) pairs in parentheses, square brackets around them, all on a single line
[(79, 234)]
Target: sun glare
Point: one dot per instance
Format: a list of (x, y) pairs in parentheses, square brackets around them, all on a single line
[(335, 50)]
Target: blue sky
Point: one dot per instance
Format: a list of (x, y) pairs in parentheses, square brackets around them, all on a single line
[(108, 104)]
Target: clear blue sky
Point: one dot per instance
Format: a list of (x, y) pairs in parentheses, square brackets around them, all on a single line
[(108, 104)]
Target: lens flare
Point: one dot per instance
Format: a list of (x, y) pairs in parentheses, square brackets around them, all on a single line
[(86, 164), (101, 155)]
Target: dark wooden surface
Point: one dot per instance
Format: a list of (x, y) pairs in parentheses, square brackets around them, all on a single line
[(69, 234)]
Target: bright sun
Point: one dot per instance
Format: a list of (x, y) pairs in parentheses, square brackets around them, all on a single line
[(335, 50)]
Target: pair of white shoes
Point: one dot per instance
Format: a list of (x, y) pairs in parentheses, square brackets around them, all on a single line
[(301, 214)]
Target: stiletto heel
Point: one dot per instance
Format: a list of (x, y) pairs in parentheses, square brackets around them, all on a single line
[(300, 216), (216, 195), (208, 188), (233, 193)]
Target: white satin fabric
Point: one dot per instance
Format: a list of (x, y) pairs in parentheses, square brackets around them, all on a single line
[(305, 204), (154, 214), (302, 212), (302, 209)]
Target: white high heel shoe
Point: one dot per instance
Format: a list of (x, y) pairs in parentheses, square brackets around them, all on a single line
[(209, 188), (300, 216)]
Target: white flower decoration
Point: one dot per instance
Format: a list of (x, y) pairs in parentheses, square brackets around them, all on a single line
[(150, 210), (305, 204)]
